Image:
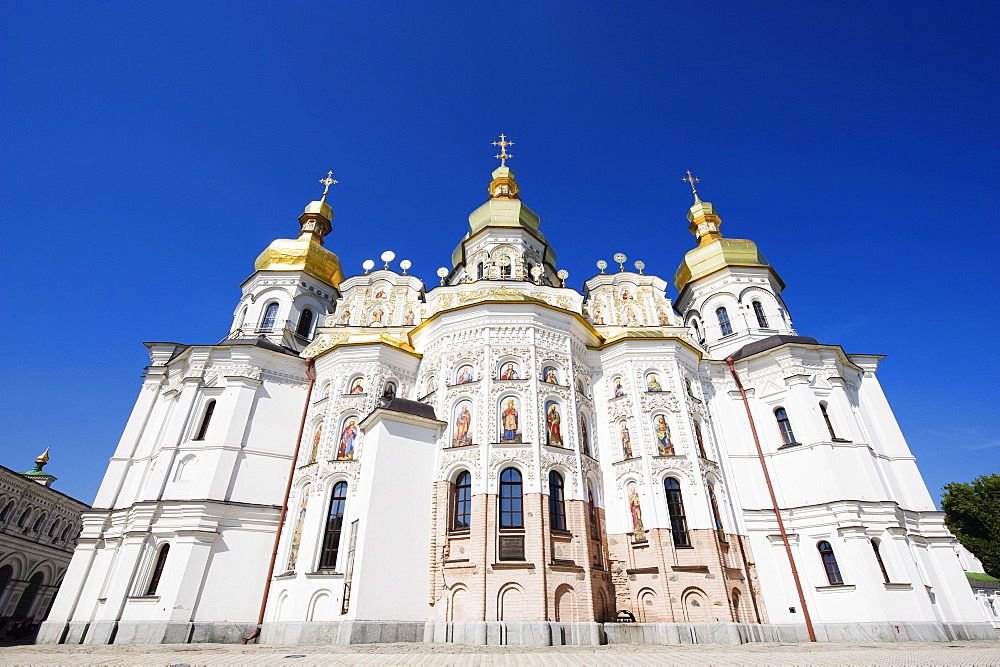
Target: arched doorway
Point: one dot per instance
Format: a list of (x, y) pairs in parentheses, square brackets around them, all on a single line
[(565, 604), (28, 596), (6, 572)]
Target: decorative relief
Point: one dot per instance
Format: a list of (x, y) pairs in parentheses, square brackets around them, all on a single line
[(626, 468), (710, 468), (659, 400), (467, 455), (550, 459), (522, 455), (620, 408), (674, 463)]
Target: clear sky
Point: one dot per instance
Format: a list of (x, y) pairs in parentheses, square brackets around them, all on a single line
[(153, 149)]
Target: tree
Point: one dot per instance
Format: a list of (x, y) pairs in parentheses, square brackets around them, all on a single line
[(972, 513)]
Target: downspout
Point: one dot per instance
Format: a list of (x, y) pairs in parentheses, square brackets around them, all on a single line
[(284, 504), (774, 502)]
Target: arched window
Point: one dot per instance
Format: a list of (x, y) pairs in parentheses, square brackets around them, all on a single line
[(511, 515), (270, 315), (505, 268), (735, 601), (305, 323), (826, 418), (595, 533), (758, 310), (878, 557), (24, 518), (461, 502), (334, 526), (675, 508), (205, 421), (480, 270), (830, 563), (243, 318), (36, 527), (557, 505), (54, 528), (6, 511), (724, 324), (700, 440), (720, 531), (161, 562), (785, 426), (697, 329)]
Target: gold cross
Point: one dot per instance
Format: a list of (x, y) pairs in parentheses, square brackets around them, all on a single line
[(503, 144), (691, 180), (328, 181)]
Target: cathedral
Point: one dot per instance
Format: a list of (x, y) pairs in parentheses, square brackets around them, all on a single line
[(501, 459)]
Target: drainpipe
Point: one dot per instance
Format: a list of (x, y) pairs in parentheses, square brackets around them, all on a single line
[(774, 502), (284, 504)]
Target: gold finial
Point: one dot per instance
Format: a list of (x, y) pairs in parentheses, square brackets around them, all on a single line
[(503, 144), (691, 180), (44, 458), (328, 181)]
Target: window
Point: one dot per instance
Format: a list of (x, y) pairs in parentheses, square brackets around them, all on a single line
[(24, 518), (203, 429), (334, 526), (510, 499), (785, 426), (826, 418), (6, 511), (758, 310), (305, 323), (830, 563), (720, 532), (461, 502), (688, 388), (161, 561), (270, 315), (878, 557), (675, 508), (54, 528), (479, 271), (504, 268), (724, 324), (701, 441), (36, 527), (595, 533), (557, 506), (697, 329)]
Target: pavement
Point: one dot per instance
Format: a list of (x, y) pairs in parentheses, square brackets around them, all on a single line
[(984, 652)]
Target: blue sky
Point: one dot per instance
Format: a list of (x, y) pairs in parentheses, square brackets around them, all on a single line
[(153, 149)]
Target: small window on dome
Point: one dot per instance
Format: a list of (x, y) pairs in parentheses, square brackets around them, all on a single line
[(758, 310), (270, 316), (724, 325), (305, 323)]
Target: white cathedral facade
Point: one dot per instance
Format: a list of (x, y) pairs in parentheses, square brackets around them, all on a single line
[(502, 459)]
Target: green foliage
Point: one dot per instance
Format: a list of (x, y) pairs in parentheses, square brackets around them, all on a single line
[(972, 513)]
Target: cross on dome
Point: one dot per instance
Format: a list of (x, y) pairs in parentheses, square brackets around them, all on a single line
[(328, 181), (503, 144), (691, 180)]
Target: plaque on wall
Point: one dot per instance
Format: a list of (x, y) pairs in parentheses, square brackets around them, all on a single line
[(512, 547)]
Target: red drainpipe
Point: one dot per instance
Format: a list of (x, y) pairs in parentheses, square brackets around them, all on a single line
[(774, 502), (284, 504)]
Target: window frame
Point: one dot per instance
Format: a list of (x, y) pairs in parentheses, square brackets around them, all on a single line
[(725, 324), (785, 426), (270, 313), (830, 566), (334, 527), (826, 418), (557, 502), (758, 311), (675, 510), (307, 322), (512, 491), (206, 419), (461, 503), (157, 574)]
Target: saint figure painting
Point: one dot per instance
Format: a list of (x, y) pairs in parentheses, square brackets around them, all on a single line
[(464, 375), (652, 383), (584, 437), (619, 389), (509, 429), (463, 424), (314, 452), (638, 532), (661, 429), (549, 375), (345, 450), (626, 441), (509, 371), (553, 421), (293, 552)]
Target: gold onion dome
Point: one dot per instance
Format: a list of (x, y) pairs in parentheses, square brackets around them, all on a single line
[(306, 253), (714, 251)]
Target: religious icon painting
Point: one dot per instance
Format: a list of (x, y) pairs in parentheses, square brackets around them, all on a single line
[(377, 317), (553, 425), (317, 436), (653, 383), (462, 424), (661, 431), (431, 385), (584, 436), (638, 531), (617, 386), (510, 423), (410, 317), (345, 317), (389, 390), (664, 318), (357, 386), (464, 374), (626, 439), (550, 375), (510, 370), (293, 552), (348, 436)]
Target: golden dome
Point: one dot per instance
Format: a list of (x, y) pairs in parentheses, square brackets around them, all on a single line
[(306, 254), (714, 251)]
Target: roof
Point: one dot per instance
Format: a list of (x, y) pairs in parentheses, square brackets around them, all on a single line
[(259, 341), (44, 489), (769, 343), (409, 407)]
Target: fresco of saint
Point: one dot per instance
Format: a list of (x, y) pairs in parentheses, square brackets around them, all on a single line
[(314, 452), (410, 317), (509, 371), (431, 385), (626, 441), (553, 421), (584, 437), (598, 316), (639, 533), (293, 552), (358, 386), (464, 375), (380, 294), (664, 318), (661, 429), (630, 319), (390, 390), (345, 450), (463, 425), (549, 375), (619, 389), (346, 317), (508, 419), (377, 315), (652, 383), (626, 296)]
